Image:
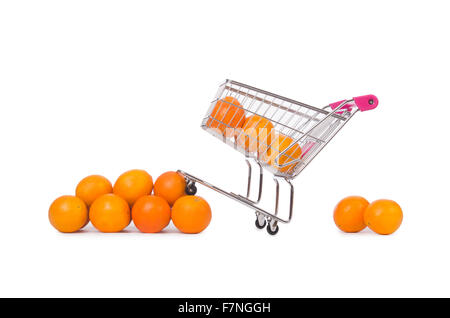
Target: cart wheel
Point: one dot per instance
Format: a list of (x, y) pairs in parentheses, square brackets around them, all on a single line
[(270, 231), (259, 225), (260, 221), (191, 189)]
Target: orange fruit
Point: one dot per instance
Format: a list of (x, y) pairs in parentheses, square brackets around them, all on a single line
[(91, 187), (171, 186), (349, 214), (279, 144), (383, 216), (191, 214), (227, 115), (68, 214), (110, 213), (133, 184), (255, 135), (151, 214)]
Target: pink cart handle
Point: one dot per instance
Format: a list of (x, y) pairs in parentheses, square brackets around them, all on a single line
[(366, 102)]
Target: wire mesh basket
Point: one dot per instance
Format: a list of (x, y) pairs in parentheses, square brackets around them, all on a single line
[(282, 136)]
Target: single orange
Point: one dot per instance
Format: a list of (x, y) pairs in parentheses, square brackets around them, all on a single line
[(191, 214), (68, 214), (255, 135), (171, 186), (383, 216), (133, 184), (226, 116), (349, 214), (151, 214), (92, 187), (110, 213), (279, 144)]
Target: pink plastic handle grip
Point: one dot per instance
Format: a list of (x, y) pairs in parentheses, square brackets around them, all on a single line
[(365, 102)]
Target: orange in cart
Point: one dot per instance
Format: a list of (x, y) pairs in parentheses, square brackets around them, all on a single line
[(170, 186), (151, 214), (349, 214), (383, 216), (226, 116), (110, 213), (68, 214), (255, 135), (92, 187), (275, 158), (191, 214), (133, 184)]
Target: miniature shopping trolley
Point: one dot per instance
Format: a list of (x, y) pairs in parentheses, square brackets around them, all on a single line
[(279, 134)]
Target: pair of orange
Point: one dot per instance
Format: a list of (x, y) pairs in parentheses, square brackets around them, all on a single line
[(254, 134), (111, 208), (354, 213)]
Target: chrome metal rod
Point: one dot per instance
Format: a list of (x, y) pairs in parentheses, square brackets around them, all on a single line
[(273, 95), (249, 180), (249, 177), (277, 195), (242, 199), (261, 175)]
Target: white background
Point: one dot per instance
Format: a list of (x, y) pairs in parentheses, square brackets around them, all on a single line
[(106, 86)]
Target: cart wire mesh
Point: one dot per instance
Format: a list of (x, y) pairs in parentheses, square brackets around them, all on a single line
[(281, 134)]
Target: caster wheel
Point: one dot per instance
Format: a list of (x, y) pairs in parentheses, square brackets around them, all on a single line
[(270, 231), (258, 225), (191, 189)]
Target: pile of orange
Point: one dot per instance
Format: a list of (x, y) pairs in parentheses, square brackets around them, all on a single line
[(255, 134), (111, 208), (352, 214)]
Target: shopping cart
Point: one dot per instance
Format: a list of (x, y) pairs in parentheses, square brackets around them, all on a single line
[(281, 135)]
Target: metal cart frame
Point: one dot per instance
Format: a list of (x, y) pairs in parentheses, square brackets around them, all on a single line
[(297, 134)]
